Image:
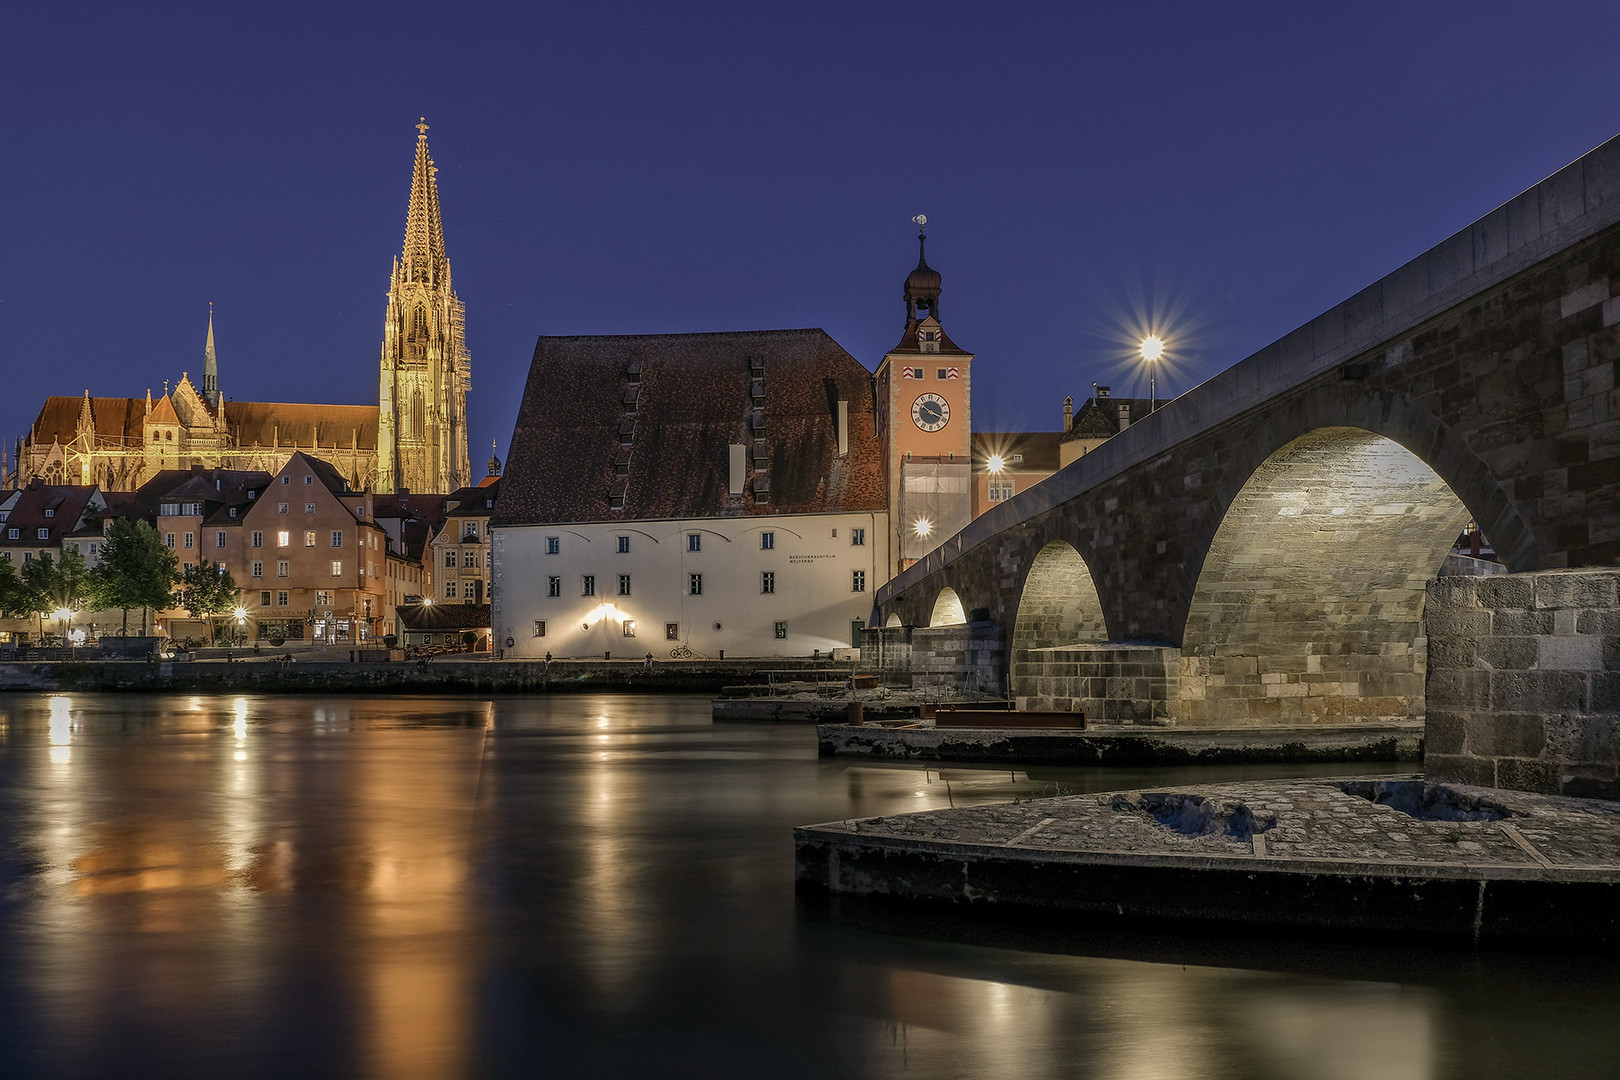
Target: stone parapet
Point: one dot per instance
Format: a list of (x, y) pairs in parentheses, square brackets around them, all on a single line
[(1524, 682)]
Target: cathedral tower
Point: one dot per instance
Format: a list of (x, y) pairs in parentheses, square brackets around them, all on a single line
[(422, 392)]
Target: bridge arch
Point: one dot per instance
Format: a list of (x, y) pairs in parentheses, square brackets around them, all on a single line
[(1308, 605), (948, 610)]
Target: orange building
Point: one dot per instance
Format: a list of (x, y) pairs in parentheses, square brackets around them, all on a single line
[(311, 560), (924, 388)]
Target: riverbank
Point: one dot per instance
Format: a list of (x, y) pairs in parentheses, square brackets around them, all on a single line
[(441, 675), (1385, 859)]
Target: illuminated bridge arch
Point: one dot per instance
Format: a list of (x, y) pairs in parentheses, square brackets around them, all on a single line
[(1308, 606), (948, 610)]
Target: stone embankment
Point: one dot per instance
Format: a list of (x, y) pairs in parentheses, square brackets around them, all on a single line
[(341, 677), (1377, 858)]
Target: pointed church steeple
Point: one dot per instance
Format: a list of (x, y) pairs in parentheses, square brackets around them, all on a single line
[(425, 370), (210, 385), (424, 229)]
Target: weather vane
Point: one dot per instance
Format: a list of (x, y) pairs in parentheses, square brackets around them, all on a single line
[(921, 221)]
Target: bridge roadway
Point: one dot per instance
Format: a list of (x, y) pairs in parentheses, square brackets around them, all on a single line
[(1257, 551)]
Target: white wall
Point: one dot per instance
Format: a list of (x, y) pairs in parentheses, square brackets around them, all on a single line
[(813, 559)]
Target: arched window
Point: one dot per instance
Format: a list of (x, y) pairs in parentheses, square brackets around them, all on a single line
[(418, 415)]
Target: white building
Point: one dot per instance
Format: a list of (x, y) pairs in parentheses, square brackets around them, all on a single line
[(690, 494)]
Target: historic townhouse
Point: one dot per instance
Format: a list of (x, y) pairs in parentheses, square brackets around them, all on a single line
[(461, 548), (311, 558)]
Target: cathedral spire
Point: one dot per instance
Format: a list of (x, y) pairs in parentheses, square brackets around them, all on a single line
[(210, 364), (424, 229)]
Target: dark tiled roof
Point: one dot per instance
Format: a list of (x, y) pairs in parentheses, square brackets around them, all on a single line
[(249, 422), (473, 501), (1040, 449), (292, 425), (427, 617), (115, 418), (217, 488), (409, 507), (909, 343), (66, 503), (694, 401), (1098, 418)]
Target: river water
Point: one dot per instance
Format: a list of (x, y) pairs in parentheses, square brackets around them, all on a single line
[(603, 886)]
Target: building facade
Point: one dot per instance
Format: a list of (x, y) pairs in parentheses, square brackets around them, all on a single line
[(461, 552), (690, 495), (425, 369)]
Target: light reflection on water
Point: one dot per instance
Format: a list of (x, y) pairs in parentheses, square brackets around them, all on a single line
[(272, 886)]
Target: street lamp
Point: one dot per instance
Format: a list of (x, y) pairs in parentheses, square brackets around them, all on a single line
[(1151, 348), (63, 615), (996, 463)]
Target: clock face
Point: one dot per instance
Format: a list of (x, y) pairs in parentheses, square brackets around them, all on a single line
[(930, 412)]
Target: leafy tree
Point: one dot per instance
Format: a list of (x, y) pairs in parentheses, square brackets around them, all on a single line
[(136, 570), (207, 591), (47, 585), (10, 589)]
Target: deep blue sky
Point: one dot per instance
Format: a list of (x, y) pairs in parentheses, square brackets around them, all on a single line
[(641, 167)]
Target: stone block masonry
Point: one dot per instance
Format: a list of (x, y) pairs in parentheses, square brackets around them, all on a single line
[(1524, 682), (1113, 684)]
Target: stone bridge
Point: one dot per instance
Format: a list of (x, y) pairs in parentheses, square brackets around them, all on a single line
[(1259, 550)]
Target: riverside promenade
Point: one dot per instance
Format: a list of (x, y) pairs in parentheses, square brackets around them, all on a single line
[(1385, 858)]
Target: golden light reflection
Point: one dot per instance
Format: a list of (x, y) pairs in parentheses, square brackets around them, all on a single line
[(61, 731), (239, 709)]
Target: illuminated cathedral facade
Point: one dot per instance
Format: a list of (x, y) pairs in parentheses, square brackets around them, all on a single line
[(414, 438)]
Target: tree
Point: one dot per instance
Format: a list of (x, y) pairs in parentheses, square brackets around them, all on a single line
[(48, 584), (207, 591), (10, 589), (136, 570)]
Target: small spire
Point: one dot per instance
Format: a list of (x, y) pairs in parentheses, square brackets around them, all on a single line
[(210, 385)]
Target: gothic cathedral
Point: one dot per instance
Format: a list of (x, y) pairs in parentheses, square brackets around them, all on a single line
[(425, 370)]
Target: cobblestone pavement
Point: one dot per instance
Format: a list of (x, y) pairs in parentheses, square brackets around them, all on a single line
[(1306, 819)]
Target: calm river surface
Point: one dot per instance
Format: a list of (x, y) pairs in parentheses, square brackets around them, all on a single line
[(603, 886)]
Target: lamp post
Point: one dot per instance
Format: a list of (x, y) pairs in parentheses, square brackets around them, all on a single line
[(1151, 349), (63, 615)]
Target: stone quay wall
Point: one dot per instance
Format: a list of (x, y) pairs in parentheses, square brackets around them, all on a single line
[(1524, 682)]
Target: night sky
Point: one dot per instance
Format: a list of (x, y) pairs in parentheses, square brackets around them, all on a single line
[(1224, 171)]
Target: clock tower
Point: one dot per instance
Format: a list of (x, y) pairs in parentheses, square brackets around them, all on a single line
[(924, 395)]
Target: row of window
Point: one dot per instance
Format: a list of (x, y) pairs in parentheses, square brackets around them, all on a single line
[(284, 568), (672, 631), (323, 598), (468, 558), (694, 542), (16, 534), (694, 583), (283, 538)]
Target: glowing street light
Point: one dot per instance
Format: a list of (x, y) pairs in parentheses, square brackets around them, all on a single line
[(1151, 349), (996, 463), (923, 528), (62, 615)]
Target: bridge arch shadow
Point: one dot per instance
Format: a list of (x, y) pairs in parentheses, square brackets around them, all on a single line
[(1308, 607), (948, 609)]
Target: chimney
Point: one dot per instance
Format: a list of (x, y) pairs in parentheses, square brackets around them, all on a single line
[(1068, 412), (739, 467), (1124, 415), (1102, 391), (843, 428)]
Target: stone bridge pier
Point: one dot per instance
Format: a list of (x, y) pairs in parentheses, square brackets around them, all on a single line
[(1273, 546)]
